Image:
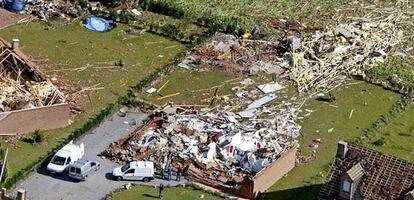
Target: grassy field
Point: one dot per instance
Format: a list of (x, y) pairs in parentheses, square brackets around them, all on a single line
[(85, 59), (174, 193), (313, 12), (193, 87), (398, 137)]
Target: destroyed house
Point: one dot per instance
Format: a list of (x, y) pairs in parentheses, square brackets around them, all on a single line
[(218, 153), (361, 173), (28, 100)]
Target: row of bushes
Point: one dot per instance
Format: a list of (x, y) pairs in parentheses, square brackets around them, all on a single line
[(385, 119), (165, 7), (129, 99), (207, 18), (181, 30), (221, 23), (395, 75)]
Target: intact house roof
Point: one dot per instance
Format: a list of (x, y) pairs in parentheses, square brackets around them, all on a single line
[(369, 174)]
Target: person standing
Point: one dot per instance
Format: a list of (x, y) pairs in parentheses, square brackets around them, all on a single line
[(162, 168), (170, 168), (161, 195), (179, 172)]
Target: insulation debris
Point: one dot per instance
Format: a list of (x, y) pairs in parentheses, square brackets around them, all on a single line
[(216, 142), (21, 87)]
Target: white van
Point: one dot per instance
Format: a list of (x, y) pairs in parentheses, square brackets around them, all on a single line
[(65, 157), (136, 170)]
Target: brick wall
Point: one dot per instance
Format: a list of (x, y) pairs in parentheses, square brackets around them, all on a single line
[(266, 178), (21, 195), (43, 118)]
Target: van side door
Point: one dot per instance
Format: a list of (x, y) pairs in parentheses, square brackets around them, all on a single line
[(68, 162), (129, 175)]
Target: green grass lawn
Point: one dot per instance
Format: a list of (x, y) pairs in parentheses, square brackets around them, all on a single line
[(173, 193), (398, 136), (304, 181), (61, 50), (194, 87)]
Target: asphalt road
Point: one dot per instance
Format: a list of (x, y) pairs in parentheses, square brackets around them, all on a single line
[(44, 186)]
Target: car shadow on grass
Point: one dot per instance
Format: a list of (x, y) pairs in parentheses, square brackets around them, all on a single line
[(303, 193)]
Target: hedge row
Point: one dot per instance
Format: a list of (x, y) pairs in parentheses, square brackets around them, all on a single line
[(165, 7), (395, 75), (180, 30), (129, 99), (207, 18), (385, 119)]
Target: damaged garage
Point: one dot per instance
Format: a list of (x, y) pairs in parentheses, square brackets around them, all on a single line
[(28, 100)]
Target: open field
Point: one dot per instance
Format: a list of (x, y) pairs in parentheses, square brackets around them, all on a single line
[(398, 137), (85, 60), (192, 87), (314, 13), (174, 193)]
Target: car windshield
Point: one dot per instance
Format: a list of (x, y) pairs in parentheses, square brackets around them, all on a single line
[(57, 160), (124, 168)]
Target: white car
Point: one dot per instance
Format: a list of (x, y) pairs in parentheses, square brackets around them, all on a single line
[(136, 170), (65, 157)]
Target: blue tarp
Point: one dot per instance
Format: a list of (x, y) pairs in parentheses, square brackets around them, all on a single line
[(14, 5), (98, 24)]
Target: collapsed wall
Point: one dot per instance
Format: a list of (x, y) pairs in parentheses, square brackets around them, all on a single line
[(28, 100)]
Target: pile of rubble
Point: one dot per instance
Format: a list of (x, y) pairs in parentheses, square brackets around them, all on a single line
[(46, 9), (21, 84), (316, 61), (15, 95), (211, 140), (235, 139)]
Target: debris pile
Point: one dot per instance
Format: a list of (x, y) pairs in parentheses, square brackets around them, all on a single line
[(347, 49), (20, 86), (46, 9), (15, 95), (316, 61), (213, 141)]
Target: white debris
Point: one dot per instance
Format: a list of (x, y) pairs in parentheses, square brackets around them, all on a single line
[(151, 90), (270, 87)]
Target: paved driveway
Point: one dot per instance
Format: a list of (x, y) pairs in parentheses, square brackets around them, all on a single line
[(43, 186)]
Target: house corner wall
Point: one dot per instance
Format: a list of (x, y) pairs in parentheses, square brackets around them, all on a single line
[(43, 118), (269, 176)]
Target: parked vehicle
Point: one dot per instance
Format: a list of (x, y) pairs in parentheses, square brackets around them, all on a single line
[(81, 169), (136, 170), (65, 157)]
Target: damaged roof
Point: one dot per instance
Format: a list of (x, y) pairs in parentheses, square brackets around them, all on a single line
[(385, 177)]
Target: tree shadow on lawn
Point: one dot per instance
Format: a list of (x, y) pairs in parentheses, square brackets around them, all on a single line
[(302, 193), (150, 196)]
